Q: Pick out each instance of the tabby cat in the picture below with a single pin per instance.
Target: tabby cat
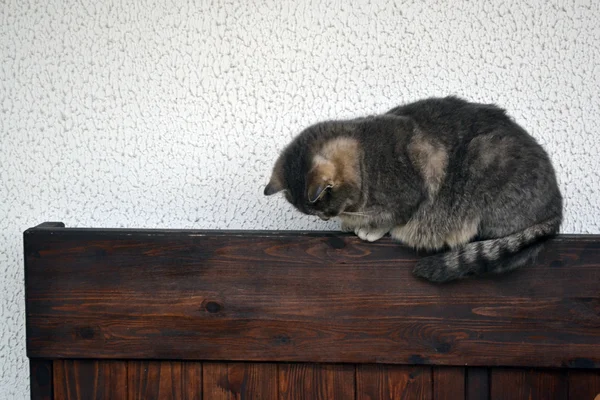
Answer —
(458, 179)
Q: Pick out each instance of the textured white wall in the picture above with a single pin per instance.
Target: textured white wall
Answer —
(141, 114)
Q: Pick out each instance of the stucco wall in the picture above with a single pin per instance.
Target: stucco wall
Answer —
(139, 114)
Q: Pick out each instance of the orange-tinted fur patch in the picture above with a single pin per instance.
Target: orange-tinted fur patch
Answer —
(337, 161)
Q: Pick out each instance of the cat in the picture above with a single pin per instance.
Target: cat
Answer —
(457, 179)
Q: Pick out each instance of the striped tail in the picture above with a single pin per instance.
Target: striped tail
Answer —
(488, 256)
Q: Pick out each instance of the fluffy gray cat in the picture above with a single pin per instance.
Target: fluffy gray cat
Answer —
(442, 175)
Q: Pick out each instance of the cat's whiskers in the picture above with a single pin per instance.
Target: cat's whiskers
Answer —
(356, 213)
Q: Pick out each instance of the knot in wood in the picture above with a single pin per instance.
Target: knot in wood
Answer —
(213, 307)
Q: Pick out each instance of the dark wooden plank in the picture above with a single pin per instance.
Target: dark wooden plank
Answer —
(584, 384)
(231, 381)
(390, 382)
(50, 224)
(192, 380)
(528, 384)
(40, 373)
(90, 380)
(312, 297)
(164, 380)
(316, 382)
(478, 383)
(448, 383)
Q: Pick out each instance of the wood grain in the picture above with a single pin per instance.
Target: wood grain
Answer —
(314, 297)
(316, 382)
(507, 384)
(90, 380)
(40, 373)
(164, 380)
(237, 381)
(478, 384)
(448, 383)
(584, 384)
(390, 382)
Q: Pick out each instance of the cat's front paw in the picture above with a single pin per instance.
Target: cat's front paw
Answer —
(346, 227)
(371, 234)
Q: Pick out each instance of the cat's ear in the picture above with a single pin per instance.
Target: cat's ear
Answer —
(319, 180)
(274, 186)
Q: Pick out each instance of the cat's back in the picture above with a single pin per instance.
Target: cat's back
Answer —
(450, 107)
(454, 116)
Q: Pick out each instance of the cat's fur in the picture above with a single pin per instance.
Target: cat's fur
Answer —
(437, 174)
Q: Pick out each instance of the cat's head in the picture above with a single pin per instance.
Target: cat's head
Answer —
(319, 172)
